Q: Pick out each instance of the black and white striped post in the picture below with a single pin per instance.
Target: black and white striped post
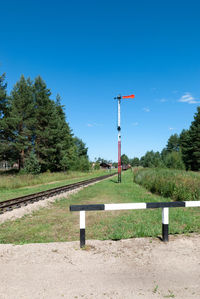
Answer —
(132, 206)
(82, 229)
(165, 224)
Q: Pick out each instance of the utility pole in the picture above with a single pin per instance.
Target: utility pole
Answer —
(119, 134)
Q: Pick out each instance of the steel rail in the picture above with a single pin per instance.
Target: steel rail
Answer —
(11, 204)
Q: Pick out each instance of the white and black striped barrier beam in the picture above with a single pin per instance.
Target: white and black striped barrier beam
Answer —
(132, 206)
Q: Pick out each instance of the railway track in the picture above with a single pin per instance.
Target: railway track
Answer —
(18, 202)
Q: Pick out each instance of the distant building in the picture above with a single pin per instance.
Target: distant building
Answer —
(104, 165)
(5, 165)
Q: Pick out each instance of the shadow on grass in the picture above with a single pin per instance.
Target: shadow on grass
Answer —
(114, 181)
(9, 172)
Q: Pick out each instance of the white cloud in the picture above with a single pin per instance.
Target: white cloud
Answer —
(171, 128)
(93, 125)
(146, 109)
(135, 124)
(188, 98)
(163, 100)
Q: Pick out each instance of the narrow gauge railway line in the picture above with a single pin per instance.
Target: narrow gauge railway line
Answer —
(18, 202)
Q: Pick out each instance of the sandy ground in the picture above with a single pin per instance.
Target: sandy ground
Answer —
(134, 268)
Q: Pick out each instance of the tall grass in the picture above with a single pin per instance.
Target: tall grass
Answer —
(180, 185)
(23, 180)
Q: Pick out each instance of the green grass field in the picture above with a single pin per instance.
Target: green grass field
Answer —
(57, 224)
(12, 186)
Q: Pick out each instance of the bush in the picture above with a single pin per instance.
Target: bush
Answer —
(177, 184)
(97, 166)
(32, 164)
(174, 160)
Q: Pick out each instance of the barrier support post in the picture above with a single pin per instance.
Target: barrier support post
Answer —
(165, 224)
(82, 229)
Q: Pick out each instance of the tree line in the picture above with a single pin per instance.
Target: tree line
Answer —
(181, 152)
(34, 133)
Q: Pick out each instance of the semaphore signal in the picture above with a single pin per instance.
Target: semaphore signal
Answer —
(119, 97)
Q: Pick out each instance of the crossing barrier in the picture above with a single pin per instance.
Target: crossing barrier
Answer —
(132, 206)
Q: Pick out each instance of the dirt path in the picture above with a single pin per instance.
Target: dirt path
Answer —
(135, 268)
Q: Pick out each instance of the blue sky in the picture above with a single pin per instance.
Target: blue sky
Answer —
(90, 51)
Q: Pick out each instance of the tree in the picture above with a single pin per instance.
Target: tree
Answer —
(3, 113)
(186, 148)
(20, 119)
(50, 129)
(33, 128)
(174, 160)
(124, 159)
(151, 159)
(64, 149)
(31, 164)
(173, 143)
(193, 149)
(3, 97)
(135, 162)
(97, 166)
(81, 148)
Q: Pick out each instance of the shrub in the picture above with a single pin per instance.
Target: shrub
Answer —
(32, 165)
(177, 184)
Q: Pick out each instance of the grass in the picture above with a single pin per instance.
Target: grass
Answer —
(180, 185)
(57, 224)
(12, 186)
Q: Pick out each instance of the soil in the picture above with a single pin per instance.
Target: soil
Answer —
(133, 268)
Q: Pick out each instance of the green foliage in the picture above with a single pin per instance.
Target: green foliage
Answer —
(124, 159)
(135, 162)
(97, 166)
(177, 184)
(173, 143)
(188, 144)
(31, 121)
(20, 120)
(193, 144)
(151, 159)
(174, 160)
(4, 146)
(83, 164)
(3, 96)
(32, 165)
(101, 160)
(186, 148)
(81, 149)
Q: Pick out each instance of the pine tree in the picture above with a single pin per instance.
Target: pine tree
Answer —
(31, 164)
(20, 119)
(173, 143)
(44, 124)
(65, 148)
(186, 148)
(194, 135)
(3, 97)
(3, 113)
(135, 162)
(33, 128)
(54, 144)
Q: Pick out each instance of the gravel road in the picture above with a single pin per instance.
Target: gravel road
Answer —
(134, 268)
